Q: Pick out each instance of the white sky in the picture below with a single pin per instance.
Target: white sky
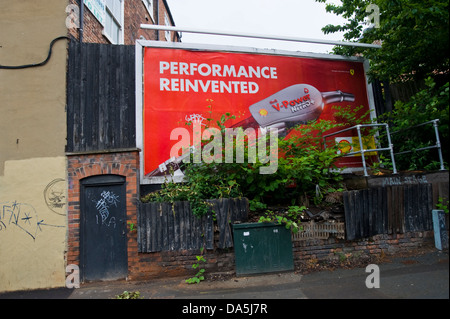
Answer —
(296, 18)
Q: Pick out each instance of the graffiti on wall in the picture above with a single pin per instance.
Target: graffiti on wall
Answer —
(23, 216)
(55, 196)
(404, 180)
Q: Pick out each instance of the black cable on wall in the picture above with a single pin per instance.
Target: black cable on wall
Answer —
(25, 66)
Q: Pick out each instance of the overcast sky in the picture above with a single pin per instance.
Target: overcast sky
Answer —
(296, 18)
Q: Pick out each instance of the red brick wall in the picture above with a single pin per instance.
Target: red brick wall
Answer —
(305, 252)
(135, 14)
(331, 249)
(179, 263)
(162, 11)
(92, 29)
(82, 166)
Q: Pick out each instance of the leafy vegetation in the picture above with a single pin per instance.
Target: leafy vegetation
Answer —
(414, 35)
(442, 204)
(291, 219)
(414, 38)
(303, 175)
(426, 105)
(129, 295)
(199, 276)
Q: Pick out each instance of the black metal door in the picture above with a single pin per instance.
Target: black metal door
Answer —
(103, 236)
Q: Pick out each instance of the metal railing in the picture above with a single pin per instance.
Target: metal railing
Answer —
(257, 36)
(362, 151)
(390, 147)
(437, 145)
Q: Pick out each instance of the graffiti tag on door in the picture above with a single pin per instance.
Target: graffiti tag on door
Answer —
(103, 205)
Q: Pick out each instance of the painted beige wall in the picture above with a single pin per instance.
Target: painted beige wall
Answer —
(32, 101)
(33, 222)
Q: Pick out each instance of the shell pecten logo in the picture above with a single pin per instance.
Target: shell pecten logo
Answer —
(344, 146)
(263, 112)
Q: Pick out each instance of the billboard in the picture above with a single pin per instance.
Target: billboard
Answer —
(263, 89)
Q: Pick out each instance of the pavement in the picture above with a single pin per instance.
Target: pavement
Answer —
(418, 276)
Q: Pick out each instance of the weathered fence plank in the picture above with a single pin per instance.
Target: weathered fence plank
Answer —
(223, 215)
(349, 222)
(388, 210)
(166, 227)
(100, 97)
(396, 209)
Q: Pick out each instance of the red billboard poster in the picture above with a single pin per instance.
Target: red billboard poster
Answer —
(261, 89)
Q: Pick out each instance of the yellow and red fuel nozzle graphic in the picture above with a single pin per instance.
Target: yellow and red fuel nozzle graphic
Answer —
(296, 104)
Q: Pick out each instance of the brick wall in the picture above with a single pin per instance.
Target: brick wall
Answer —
(92, 29)
(162, 12)
(333, 249)
(135, 14)
(82, 166)
(179, 263)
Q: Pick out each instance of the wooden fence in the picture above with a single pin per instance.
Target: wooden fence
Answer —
(166, 227)
(387, 210)
(100, 97)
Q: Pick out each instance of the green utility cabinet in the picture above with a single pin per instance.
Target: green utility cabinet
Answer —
(262, 248)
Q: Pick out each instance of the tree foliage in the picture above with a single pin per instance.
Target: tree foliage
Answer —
(428, 104)
(414, 35)
(414, 38)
